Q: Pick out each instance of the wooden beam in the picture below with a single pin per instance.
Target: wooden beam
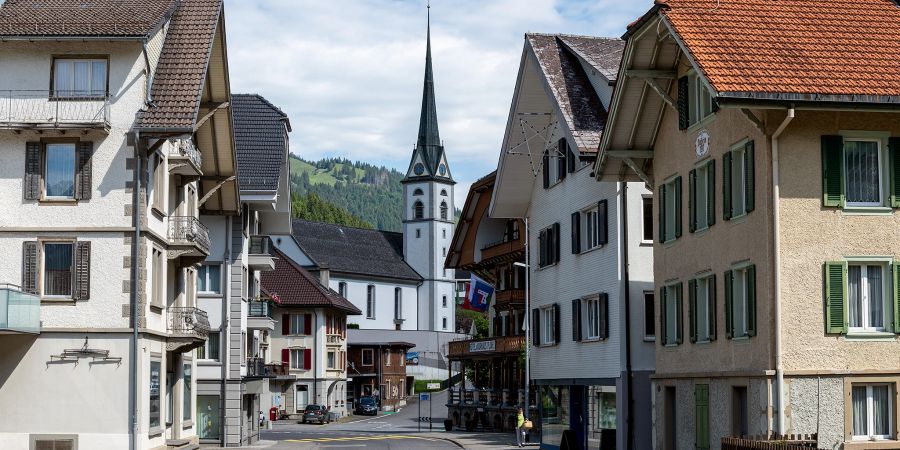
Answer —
(214, 190)
(646, 154)
(214, 108)
(661, 92)
(755, 120)
(651, 73)
(640, 172)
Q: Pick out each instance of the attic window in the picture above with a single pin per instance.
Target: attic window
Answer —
(417, 192)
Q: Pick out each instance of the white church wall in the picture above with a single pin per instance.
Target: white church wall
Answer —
(357, 293)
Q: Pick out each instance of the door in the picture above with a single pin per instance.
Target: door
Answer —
(577, 421)
(170, 403)
(302, 398)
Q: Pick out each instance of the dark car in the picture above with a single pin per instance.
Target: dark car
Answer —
(315, 413)
(367, 406)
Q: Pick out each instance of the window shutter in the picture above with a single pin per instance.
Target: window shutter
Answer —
(556, 322)
(285, 324)
(729, 320)
(535, 327)
(679, 315)
(307, 358)
(576, 320)
(662, 316)
(712, 307)
(602, 222)
(82, 288)
(83, 183)
(30, 267)
(555, 241)
(832, 171)
(32, 182)
(662, 213)
(749, 176)
(571, 159)
(307, 324)
(576, 233)
(835, 297)
(726, 186)
(692, 201)
(711, 193)
(545, 169)
(894, 149)
(896, 297)
(604, 316)
(677, 207)
(692, 309)
(751, 301)
(561, 159)
(286, 356)
(683, 110)
(701, 410)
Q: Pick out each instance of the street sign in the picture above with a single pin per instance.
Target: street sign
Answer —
(432, 386)
(424, 397)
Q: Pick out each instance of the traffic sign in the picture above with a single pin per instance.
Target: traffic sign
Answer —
(424, 396)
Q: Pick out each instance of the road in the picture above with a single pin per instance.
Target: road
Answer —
(397, 431)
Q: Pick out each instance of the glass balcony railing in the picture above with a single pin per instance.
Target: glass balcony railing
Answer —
(20, 312)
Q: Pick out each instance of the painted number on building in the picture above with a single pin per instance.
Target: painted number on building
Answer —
(482, 346)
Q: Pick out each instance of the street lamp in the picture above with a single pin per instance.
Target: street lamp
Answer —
(527, 268)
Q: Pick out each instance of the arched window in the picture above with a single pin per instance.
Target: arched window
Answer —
(418, 210)
(443, 210)
(443, 192)
(417, 192)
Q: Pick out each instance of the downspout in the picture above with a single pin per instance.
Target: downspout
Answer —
(316, 355)
(629, 418)
(135, 267)
(776, 228)
(149, 78)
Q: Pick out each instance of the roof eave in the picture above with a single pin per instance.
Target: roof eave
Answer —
(781, 100)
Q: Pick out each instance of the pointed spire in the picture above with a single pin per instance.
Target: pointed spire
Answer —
(428, 126)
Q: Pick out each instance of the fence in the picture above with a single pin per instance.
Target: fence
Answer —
(772, 442)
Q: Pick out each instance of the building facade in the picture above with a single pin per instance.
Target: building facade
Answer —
(378, 370)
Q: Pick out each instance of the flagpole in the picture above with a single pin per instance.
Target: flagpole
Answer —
(527, 266)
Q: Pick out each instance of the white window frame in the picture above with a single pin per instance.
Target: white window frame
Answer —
(45, 170)
(881, 171)
(697, 94)
(297, 325)
(204, 272)
(398, 303)
(886, 295)
(387, 358)
(548, 326)
(297, 358)
(740, 302)
(703, 286)
(43, 271)
(331, 360)
(370, 302)
(701, 199)
(590, 222)
(444, 323)
(738, 180)
(342, 289)
(69, 91)
(590, 320)
(644, 212)
(870, 419)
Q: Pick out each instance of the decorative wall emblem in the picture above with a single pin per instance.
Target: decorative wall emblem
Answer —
(702, 144)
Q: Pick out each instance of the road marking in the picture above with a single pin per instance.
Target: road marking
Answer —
(342, 446)
(362, 438)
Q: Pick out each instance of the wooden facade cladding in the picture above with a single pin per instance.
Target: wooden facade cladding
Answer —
(503, 345)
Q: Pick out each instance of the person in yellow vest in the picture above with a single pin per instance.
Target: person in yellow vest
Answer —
(520, 427)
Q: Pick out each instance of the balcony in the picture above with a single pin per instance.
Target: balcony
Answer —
(184, 159)
(334, 339)
(257, 368)
(188, 328)
(260, 316)
(502, 251)
(509, 297)
(189, 239)
(260, 256)
(486, 347)
(45, 109)
(20, 312)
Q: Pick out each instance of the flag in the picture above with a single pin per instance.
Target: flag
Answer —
(479, 295)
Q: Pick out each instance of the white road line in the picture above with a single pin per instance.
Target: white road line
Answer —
(342, 446)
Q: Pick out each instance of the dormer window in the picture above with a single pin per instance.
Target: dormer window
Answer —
(418, 210)
(80, 77)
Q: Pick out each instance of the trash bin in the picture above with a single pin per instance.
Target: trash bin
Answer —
(333, 416)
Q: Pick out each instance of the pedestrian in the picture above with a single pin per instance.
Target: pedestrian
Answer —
(262, 419)
(520, 428)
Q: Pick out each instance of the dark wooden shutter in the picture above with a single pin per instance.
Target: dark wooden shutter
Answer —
(536, 327)
(604, 315)
(545, 169)
(555, 241)
(712, 307)
(307, 324)
(602, 222)
(662, 316)
(556, 322)
(286, 356)
(285, 324)
(749, 176)
(32, 182)
(576, 320)
(751, 300)
(894, 149)
(677, 194)
(561, 158)
(683, 104)
(729, 319)
(82, 287)
(711, 193)
(662, 213)
(726, 186)
(692, 309)
(307, 358)
(832, 171)
(835, 297)
(30, 267)
(83, 177)
(576, 233)
(679, 315)
(541, 250)
(692, 200)
(572, 159)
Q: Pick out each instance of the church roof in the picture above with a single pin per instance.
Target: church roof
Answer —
(291, 285)
(354, 251)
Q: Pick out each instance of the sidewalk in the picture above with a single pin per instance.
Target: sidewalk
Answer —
(479, 441)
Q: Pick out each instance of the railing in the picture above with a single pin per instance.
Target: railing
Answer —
(19, 311)
(277, 369)
(334, 338)
(501, 398)
(510, 295)
(185, 148)
(45, 108)
(260, 245)
(772, 442)
(257, 367)
(188, 230)
(188, 320)
(489, 346)
(501, 248)
(260, 309)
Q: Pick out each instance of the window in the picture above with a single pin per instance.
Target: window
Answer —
(79, 78)
(387, 357)
(857, 172)
(370, 302)
(593, 222)
(210, 349)
(402, 357)
(418, 233)
(367, 355)
(418, 210)
(738, 181)
(647, 208)
(331, 360)
(548, 243)
(702, 207)
(548, 325)
(417, 192)
(866, 299)
(59, 171)
(298, 324)
(702, 305)
(591, 320)
(554, 163)
(245, 282)
(154, 407)
(342, 289)
(694, 101)
(158, 187)
(244, 347)
(862, 167)
(872, 411)
(444, 251)
(444, 301)
(209, 417)
(444, 233)
(740, 302)
(444, 210)
(444, 323)
(186, 392)
(58, 268)
(297, 355)
(670, 314)
(670, 210)
(398, 304)
(209, 279)
(649, 316)
(443, 192)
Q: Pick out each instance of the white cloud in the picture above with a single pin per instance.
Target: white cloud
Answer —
(349, 73)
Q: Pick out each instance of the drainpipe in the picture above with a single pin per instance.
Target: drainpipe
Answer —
(779, 370)
(135, 267)
(629, 418)
(316, 355)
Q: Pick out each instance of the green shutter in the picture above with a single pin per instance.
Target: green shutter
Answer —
(729, 319)
(662, 316)
(751, 301)
(712, 307)
(701, 411)
(677, 194)
(835, 297)
(897, 298)
(692, 200)
(711, 193)
(683, 108)
(726, 186)
(894, 148)
(679, 316)
(692, 309)
(662, 213)
(749, 177)
(832, 171)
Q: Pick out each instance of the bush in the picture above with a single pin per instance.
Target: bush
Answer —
(421, 385)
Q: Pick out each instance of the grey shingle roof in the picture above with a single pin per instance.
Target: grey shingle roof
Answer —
(259, 135)
(357, 251)
(291, 285)
(79, 18)
(604, 54)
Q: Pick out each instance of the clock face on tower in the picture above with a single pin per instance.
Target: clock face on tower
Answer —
(442, 170)
(419, 169)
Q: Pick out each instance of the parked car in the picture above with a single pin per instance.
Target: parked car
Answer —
(366, 406)
(316, 413)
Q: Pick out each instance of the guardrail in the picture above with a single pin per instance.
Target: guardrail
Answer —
(20, 311)
(260, 245)
(188, 320)
(257, 367)
(334, 339)
(188, 230)
(59, 109)
(260, 309)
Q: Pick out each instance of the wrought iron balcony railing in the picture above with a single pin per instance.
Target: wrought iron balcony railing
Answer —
(188, 320)
(53, 109)
(257, 368)
(185, 149)
(188, 230)
(20, 312)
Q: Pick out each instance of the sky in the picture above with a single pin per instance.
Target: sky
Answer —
(349, 72)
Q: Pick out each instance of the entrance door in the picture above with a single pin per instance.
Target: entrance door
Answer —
(302, 398)
(170, 404)
(577, 420)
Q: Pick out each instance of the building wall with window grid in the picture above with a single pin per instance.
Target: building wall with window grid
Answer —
(357, 293)
(580, 275)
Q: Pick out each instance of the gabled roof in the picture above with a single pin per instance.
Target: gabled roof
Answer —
(83, 19)
(603, 54)
(260, 138)
(291, 285)
(835, 50)
(354, 251)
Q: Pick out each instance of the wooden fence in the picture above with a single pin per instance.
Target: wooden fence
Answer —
(772, 442)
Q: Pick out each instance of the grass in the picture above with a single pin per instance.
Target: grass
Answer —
(321, 176)
(420, 386)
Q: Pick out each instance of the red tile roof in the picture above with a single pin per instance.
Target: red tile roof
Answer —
(80, 18)
(801, 49)
(293, 285)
